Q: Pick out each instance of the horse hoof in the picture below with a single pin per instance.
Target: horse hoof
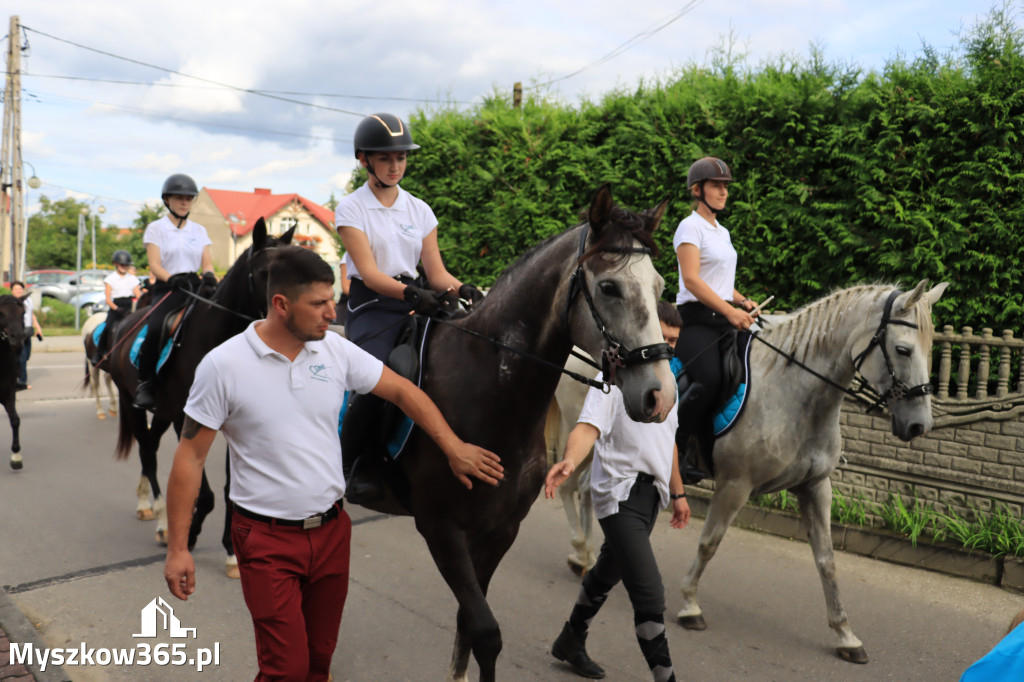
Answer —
(113, 413)
(16, 463)
(693, 622)
(101, 415)
(853, 655)
(161, 537)
(578, 570)
(231, 568)
(144, 514)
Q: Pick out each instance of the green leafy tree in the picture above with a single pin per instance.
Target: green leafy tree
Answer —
(53, 233)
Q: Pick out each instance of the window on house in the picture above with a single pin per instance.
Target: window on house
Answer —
(288, 223)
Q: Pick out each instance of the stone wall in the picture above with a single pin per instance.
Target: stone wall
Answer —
(956, 467)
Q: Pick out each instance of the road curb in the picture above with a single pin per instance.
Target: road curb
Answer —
(19, 630)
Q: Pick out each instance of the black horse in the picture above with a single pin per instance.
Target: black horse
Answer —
(498, 399)
(12, 339)
(239, 298)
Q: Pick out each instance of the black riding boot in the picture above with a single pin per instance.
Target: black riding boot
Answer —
(571, 647)
(360, 443)
(145, 395)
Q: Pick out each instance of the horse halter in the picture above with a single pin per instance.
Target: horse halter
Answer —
(899, 389)
(616, 355)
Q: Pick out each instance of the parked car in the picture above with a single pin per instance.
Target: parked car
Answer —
(45, 276)
(63, 290)
(90, 302)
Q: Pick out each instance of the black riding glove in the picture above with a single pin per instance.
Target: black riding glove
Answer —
(179, 280)
(423, 301)
(468, 292)
(209, 279)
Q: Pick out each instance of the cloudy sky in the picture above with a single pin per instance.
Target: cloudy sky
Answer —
(116, 96)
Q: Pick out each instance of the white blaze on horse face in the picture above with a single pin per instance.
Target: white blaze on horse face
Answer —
(625, 293)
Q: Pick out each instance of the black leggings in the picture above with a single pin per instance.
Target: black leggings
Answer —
(626, 554)
(699, 349)
(114, 315)
(149, 351)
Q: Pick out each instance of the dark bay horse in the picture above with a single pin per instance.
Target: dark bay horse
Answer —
(498, 399)
(239, 298)
(12, 338)
(789, 438)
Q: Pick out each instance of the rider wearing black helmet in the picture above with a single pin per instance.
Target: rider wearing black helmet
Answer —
(177, 248)
(121, 288)
(387, 233)
(708, 300)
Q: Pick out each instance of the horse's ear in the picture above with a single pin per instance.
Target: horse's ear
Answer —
(259, 234)
(600, 208)
(909, 300)
(654, 216)
(286, 238)
(935, 293)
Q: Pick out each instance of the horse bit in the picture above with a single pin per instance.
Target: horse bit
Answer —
(615, 356)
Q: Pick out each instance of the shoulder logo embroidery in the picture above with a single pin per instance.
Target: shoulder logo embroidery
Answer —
(319, 372)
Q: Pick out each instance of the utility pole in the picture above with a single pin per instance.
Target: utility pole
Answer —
(12, 206)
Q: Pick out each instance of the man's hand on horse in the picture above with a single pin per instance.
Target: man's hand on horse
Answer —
(471, 460)
(558, 475)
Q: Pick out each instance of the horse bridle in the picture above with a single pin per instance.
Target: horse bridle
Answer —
(615, 356)
(899, 390)
(865, 393)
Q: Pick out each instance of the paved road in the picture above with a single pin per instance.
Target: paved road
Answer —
(80, 567)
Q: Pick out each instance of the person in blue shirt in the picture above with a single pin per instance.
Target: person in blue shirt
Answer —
(1006, 660)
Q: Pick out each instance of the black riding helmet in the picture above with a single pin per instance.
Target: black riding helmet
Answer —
(382, 133)
(121, 257)
(179, 184)
(702, 170)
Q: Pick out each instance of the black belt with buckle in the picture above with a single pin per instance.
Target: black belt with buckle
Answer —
(314, 521)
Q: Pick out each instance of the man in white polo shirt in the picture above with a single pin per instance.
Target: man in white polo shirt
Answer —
(276, 391)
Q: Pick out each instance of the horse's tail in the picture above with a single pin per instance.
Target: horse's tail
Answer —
(125, 436)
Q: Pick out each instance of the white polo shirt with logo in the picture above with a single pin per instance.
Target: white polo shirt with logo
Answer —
(717, 256)
(395, 232)
(181, 249)
(280, 418)
(625, 448)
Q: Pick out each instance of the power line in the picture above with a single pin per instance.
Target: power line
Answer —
(198, 78)
(272, 92)
(638, 38)
(181, 119)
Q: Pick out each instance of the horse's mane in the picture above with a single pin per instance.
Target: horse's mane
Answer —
(809, 329)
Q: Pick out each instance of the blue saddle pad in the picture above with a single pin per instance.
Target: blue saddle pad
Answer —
(730, 412)
(98, 332)
(133, 354)
(400, 436)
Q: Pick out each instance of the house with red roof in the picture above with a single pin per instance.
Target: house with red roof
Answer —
(230, 216)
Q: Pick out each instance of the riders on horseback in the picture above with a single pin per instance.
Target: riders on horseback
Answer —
(387, 232)
(122, 287)
(177, 248)
(707, 297)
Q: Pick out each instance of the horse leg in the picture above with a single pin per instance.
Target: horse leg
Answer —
(110, 392)
(231, 563)
(727, 501)
(816, 515)
(15, 420)
(204, 505)
(144, 508)
(94, 388)
(149, 443)
(577, 559)
(477, 629)
(587, 516)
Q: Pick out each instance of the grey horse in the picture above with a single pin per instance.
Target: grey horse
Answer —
(788, 438)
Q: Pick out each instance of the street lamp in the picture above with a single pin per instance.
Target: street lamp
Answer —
(99, 210)
(14, 231)
(34, 183)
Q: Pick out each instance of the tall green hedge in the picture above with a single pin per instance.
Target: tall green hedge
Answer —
(842, 176)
